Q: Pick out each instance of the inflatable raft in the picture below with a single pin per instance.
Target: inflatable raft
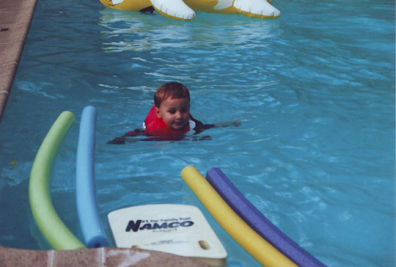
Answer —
(185, 9)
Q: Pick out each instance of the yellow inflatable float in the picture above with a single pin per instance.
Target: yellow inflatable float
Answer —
(184, 9)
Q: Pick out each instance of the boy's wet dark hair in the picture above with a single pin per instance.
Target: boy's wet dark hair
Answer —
(174, 90)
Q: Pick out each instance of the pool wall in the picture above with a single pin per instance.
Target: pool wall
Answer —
(15, 19)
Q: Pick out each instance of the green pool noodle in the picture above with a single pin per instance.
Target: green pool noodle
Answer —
(51, 226)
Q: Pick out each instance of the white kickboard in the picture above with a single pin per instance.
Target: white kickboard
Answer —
(177, 229)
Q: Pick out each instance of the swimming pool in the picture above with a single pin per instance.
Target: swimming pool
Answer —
(314, 91)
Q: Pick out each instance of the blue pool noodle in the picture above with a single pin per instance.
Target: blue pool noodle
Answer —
(90, 223)
(258, 222)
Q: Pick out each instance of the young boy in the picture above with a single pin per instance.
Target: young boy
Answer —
(170, 118)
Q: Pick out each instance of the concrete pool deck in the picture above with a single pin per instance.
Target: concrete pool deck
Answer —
(15, 19)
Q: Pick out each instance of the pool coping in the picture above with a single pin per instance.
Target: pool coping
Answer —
(15, 20)
(100, 257)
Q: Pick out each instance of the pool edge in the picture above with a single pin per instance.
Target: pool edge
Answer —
(15, 19)
(106, 257)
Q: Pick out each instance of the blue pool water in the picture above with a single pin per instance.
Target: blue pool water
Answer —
(314, 90)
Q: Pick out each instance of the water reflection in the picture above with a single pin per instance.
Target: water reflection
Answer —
(129, 30)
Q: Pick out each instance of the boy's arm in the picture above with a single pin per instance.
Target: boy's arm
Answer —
(117, 141)
(227, 124)
(200, 127)
(122, 139)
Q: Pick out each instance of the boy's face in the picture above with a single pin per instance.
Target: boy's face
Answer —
(175, 112)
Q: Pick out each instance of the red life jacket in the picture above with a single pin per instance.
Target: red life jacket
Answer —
(156, 126)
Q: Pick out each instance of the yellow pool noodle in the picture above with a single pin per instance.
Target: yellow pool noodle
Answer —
(245, 236)
(47, 219)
